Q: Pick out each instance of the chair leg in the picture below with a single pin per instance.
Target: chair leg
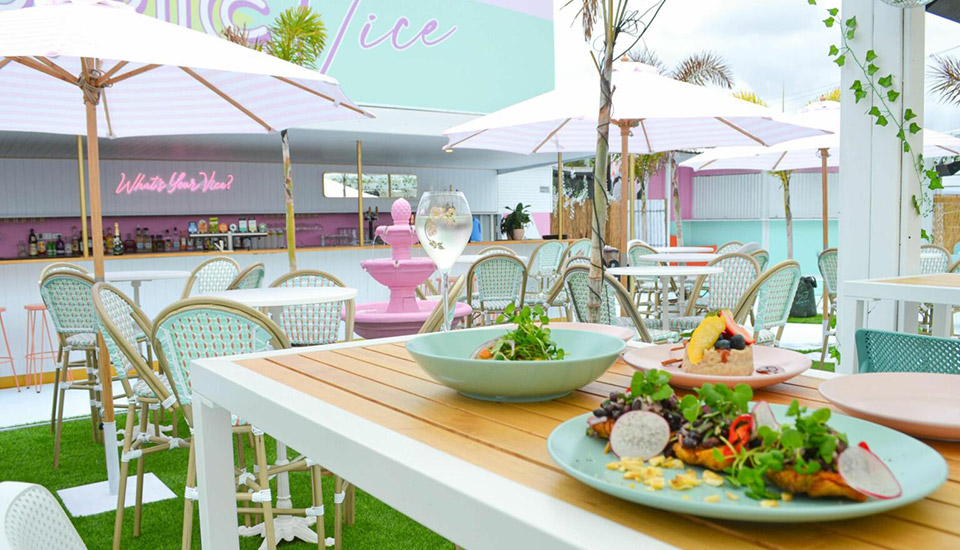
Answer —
(175, 420)
(263, 474)
(188, 502)
(349, 509)
(58, 431)
(316, 482)
(122, 489)
(64, 358)
(242, 466)
(338, 488)
(138, 509)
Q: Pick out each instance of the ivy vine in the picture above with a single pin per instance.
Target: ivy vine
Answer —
(884, 92)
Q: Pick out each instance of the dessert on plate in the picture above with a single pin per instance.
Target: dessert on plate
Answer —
(719, 346)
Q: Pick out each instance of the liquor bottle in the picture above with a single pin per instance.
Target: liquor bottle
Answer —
(41, 247)
(147, 240)
(117, 240)
(139, 240)
(183, 240)
(32, 239)
(129, 244)
(75, 241)
(61, 246)
(90, 245)
(168, 244)
(176, 239)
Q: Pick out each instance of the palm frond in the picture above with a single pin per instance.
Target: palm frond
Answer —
(298, 36)
(946, 78)
(647, 57)
(752, 97)
(704, 68)
(589, 13)
(241, 36)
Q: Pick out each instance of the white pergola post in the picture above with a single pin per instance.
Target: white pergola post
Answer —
(879, 230)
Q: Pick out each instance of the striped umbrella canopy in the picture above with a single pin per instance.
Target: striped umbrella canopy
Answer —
(100, 69)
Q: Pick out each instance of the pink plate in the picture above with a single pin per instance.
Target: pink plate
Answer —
(790, 364)
(624, 333)
(920, 404)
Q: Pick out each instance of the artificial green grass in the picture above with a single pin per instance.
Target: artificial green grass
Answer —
(28, 456)
(815, 320)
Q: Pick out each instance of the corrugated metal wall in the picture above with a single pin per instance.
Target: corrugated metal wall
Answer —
(760, 196)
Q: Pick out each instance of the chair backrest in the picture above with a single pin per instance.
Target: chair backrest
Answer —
(773, 294)
(762, 257)
(729, 247)
(497, 250)
(62, 266)
(213, 275)
(934, 259)
(31, 519)
(432, 324)
(121, 323)
(954, 267)
(251, 277)
(314, 324)
(614, 297)
(68, 298)
(882, 351)
(726, 288)
(827, 263)
(748, 248)
(201, 328)
(498, 277)
(637, 251)
(579, 247)
(545, 259)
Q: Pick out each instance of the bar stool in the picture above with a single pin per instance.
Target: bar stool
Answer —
(9, 357)
(34, 359)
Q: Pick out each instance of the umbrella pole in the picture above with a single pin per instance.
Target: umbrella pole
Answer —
(624, 169)
(360, 189)
(559, 195)
(83, 198)
(826, 225)
(106, 374)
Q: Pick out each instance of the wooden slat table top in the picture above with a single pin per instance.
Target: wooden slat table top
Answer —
(938, 279)
(381, 383)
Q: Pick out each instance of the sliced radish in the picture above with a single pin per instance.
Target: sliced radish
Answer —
(594, 420)
(639, 434)
(763, 416)
(866, 473)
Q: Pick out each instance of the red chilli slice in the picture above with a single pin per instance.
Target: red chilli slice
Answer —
(639, 434)
(866, 473)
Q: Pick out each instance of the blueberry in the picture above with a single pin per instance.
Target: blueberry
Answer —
(737, 342)
(722, 344)
(599, 413)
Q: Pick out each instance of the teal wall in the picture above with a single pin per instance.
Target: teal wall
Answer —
(807, 238)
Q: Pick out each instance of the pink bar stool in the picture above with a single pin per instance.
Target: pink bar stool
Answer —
(8, 358)
(37, 313)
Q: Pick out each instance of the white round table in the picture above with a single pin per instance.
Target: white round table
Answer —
(472, 258)
(273, 299)
(682, 249)
(680, 258)
(665, 272)
(136, 278)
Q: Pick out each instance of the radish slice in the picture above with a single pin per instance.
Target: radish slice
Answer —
(763, 416)
(639, 434)
(866, 473)
(594, 420)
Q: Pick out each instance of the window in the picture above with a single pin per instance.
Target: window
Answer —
(344, 185)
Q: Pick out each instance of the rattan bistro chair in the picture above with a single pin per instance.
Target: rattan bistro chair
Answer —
(544, 268)
(645, 290)
(726, 288)
(576, 280)
(58, 373)
(251, 277)
(827, 263)
(762, 257)
(579, 247)
(498, 280)
(213, 275)
(497, 250)
(882, 351)
(314, 324)
(432, 324)
(199, 328)
(62, 266)
(771, 296)
(937, 259)
(728, 247)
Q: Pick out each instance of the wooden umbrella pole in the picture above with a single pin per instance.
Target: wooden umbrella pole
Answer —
(360, 190)
(83, 198)
(624, 175)
(633, 201)
(560, 196)
(93, 165)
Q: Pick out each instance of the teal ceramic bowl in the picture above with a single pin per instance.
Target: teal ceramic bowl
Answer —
(446, 357)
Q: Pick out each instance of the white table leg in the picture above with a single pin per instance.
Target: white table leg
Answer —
(848, 361)
(909, 317)
(665, 302)
(682, 301)
(942, 319)
(215, 481)
(136, 292)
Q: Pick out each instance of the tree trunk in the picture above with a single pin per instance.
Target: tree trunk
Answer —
(788, 214)
(288, 199)
(643, 212)
(675, 191)
(600, 174)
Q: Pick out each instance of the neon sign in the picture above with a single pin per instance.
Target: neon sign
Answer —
(176, 183)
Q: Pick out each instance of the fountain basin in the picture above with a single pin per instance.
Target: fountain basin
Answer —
(402, 278)
(372, 320)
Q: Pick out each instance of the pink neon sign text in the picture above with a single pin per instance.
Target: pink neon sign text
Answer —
(176, 183)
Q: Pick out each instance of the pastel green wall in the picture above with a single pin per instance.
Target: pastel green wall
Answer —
(807, 238)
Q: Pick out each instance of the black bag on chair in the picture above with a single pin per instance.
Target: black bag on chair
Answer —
(805, 302)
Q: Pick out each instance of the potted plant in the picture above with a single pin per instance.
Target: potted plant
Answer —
(512, 224)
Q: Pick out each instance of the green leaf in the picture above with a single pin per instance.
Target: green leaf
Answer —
(906, 147)
(794, 408)
(791, 438)
(690, 407)
(901, 135)
(914, 127)
(857, 85)
(886, 81)
(829, 21)
(875, 111)
(833, 11)
(851, 33)
(852, 22)
(935, 184)
(916, 203)
(858, 95)
(812, 2)
(871, 68)
(892, 95)
(833, 50)
(871, 55)
(909, 114)
(663, 393)
(821, 415)
(840, 60)
(636, 384)
(881, 120)
(924, 235)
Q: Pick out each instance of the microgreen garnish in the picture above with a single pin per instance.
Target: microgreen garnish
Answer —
(654, 384)
(529, 341)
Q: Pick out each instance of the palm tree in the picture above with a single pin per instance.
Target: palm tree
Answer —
(645, 167)
(614, 18)
(701, 69)
(946, 78)
(299, 36)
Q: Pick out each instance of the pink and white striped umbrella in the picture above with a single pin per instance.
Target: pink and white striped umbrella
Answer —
(665, 115)
(157, 78)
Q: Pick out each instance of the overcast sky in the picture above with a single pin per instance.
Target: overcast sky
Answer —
(776, 48)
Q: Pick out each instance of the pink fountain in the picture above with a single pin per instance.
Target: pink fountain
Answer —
(404, 313)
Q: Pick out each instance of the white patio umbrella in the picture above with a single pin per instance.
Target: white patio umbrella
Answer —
(97, 67)
(654, 113)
